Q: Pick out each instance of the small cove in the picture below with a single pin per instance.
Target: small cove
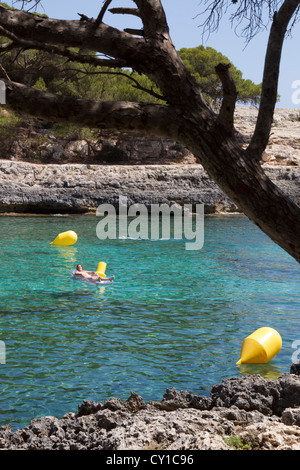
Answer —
(173, 317)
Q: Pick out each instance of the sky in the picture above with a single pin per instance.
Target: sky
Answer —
(185, 31)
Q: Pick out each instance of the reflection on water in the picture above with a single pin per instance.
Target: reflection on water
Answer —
(66, 254)
(172, 318)
(268, 371)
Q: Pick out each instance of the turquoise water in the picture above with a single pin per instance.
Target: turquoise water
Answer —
(172, 318)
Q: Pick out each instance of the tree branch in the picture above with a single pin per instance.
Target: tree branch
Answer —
(226, 115)
(253, 14)
(158, 120)
(150, 55)
(59, 50)
(153, 18)
(135, 32)
(8, 46)
(270, 79)
(75, 33)
(102, 12)
(125, 11)
(136, 84)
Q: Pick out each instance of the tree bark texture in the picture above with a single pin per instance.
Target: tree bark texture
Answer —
(186, 117)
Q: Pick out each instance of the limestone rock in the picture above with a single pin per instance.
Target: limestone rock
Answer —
(284, 142)
(79, 188)
(247, 412)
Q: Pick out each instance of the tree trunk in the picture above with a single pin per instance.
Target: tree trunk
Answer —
(245, 182)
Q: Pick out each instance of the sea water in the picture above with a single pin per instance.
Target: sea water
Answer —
(172, 318)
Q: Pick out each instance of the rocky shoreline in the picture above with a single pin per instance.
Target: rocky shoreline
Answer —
(44, 173)
(244, 413)
(80, 188)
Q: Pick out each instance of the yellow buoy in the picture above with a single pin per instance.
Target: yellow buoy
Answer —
(260, 346)
(65, 238)
(101, 269)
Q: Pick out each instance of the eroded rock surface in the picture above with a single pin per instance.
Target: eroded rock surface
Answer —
(79, 188)
(248, 412)
(46, 174)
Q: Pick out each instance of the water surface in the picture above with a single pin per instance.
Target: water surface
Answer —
(173, 318)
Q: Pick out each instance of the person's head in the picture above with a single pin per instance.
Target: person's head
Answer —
(79, 267)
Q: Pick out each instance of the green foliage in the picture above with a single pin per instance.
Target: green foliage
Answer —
(65, 131)
(8, 125)
(99, 83)
(4, 5)
(40, 84)
(57, 74)
(237, 442)
(201, 62)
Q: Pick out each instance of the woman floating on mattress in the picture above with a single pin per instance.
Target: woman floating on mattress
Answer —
(90, 274)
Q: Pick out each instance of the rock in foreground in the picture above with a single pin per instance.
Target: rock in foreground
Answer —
(245, 413)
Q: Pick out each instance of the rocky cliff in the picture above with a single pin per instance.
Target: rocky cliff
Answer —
(74, 176)
(79, 188)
